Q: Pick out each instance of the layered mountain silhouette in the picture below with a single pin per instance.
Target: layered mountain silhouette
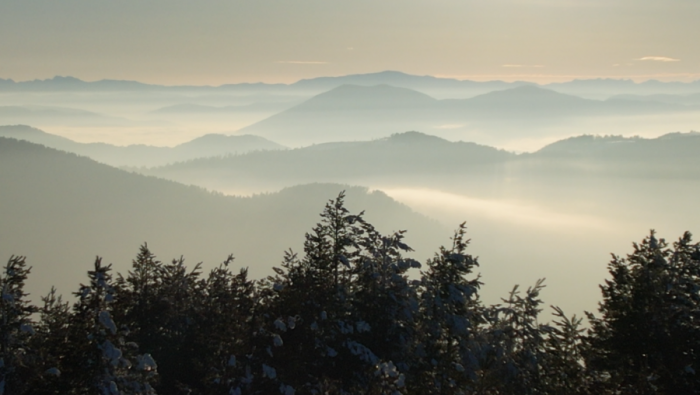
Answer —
(189, 108)
(56, 115)
(61, 210)
(352, 112)
(438, 87)
(409, 155)
(349, 112)
(517, 115)
(421, 160)
(144, 155)
(691, 99)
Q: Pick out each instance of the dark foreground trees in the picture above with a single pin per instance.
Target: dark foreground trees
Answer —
(648, 338)
(348, 317)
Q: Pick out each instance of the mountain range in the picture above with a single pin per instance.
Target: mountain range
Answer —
(353, 112)
(251, 163)
(421, 160)
(438, 87)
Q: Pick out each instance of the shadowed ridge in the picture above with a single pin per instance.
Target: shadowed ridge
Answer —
(415, 138)
(672, 146)
(525, 92)
(37, 136)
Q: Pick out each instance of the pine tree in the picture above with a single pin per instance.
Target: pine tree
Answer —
(514, 345)
(385, 304)
(181, 295)
(51, 342)
(100, 360)
(450, 320)
(226, 328)
(563, 368)
(308, 309)
(16, 327)
(138, 303)
(163, 306)
(321, 310)
(648, 338)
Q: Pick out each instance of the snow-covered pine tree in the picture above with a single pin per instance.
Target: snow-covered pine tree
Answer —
(181, 295)
(17, 359)
(385, 307)
(99, 359)
(51, 343)
(451, 315)
(225, 330)
(311, 337)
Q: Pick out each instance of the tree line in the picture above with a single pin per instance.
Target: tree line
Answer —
(347, 318)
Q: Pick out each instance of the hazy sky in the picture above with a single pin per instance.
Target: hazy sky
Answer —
(227, 41)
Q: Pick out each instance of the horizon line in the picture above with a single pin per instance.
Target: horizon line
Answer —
(508, 78)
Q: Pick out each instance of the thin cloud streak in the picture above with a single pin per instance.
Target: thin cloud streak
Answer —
(300, 62)
(537, 66)
(659, 59)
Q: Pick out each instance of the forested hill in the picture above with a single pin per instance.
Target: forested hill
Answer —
(674, 155)
(411, 153)
(668, 146)
(61, 210)
(144, 155)
(415, 158)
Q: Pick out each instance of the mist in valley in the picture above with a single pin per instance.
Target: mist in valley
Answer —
(539, 201)
(312, 197)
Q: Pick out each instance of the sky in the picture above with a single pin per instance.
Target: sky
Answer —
(213, 42)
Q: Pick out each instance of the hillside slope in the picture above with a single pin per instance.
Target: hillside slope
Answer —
(61, 210)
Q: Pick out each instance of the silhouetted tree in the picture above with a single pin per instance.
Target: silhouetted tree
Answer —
(647, 340)
(225, 331)
(17, 359)
(451, 316)
(99, 360)
(52, 345)
(346, 317)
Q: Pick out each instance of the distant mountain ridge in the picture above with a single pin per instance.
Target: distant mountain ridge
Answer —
(56, 115)
(143, 155)
(398, 157)
(354, 112)
(422, 159)
(373, 98)
(395, 78)
(688, 99)
(190, 108)
(669, 146)
(68, 83)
